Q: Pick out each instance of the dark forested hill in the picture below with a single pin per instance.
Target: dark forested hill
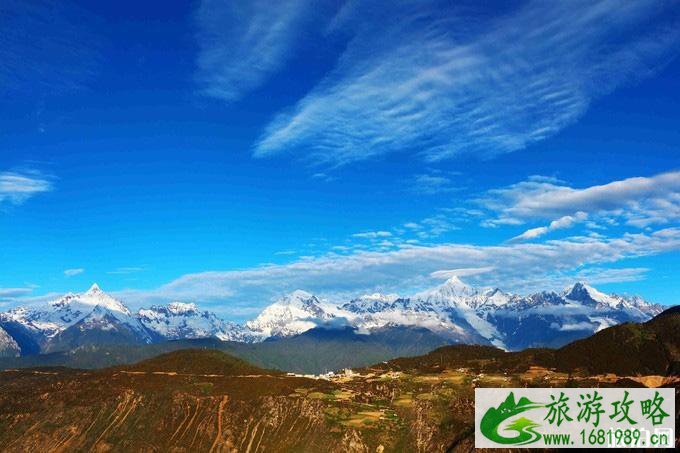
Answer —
(649, 348)
(315, 351)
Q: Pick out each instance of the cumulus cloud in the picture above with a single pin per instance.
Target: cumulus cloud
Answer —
(73, 272)
(440, 80)
(16, 188)
(519, 266)
(640, 201)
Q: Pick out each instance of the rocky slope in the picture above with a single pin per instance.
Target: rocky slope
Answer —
(161, 405)
(8, 347)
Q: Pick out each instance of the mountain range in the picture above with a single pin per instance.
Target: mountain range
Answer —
(460, 313)
(453, 312)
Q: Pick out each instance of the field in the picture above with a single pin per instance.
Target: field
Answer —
(232, 406)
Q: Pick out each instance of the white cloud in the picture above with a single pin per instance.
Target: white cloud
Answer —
(16, 188)
(640, 201)
(521, 267)
(10, 293)
(372, 235)
(463, 272)
(323, 177)
(242, 43)
(531, 234)
(431, 184)
(599, 275)
(122, 270)
(431, 78)
(572, 326)
(73, 272)
(562, 223)
(436, 225)
(285, 252)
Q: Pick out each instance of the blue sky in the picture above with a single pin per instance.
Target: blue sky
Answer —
(226, 152)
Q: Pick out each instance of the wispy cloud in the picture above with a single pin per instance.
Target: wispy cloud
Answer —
(436, 225)
(126, 270)
(46, 47)
(285, 253)
(639, 201)
(10, 296)
(9, 293)
(462, 272)
(440, 81)
(242, 43)
(522, 267)
(562, 223)
(17, 187)
(323, 177)
(372, 235)
(432, 183)
(73, 272)
(615, 275)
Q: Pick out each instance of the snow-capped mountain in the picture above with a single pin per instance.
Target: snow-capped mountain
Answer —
(294, 313)
(60, 314)
(553, 319)
(461, 313)
(455, 311)
(371, 303)
(179, 320)
(94, 317)
(100, 326)
(453, 293)
(446, 309)
(74, 320)
(587, 295)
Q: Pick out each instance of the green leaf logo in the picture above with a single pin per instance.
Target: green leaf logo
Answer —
(524, 427)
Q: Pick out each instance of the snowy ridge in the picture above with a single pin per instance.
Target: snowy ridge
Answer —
(56, 316)
(94, 316)
(452, 293)
(179, 320)
(453, 310)
(294, 313)
(461, 313)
